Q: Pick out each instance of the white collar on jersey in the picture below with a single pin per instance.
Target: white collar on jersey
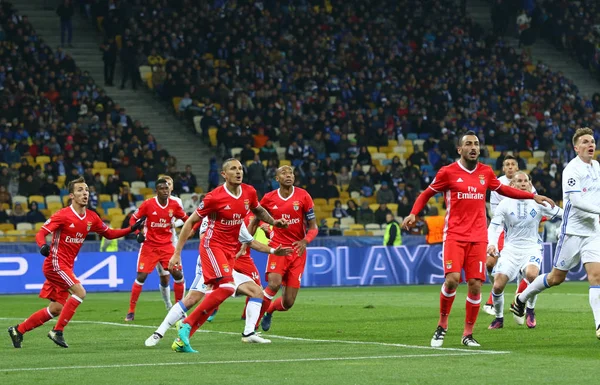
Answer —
(78, 216)
(466, 169)
(161, 206)
(285, 199)
(230, 193)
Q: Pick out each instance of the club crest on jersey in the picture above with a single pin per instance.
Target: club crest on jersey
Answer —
(273, 265)
(482, 179)
(171, 213)
(226, 268)
(296, 205)
(448, 265)
(89, 226)
(247, 204)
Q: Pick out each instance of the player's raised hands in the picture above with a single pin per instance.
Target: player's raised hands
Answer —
(542, 200)
(281, 223)
(175, 262)
(282, 251)
(138, 224)
(408, 221)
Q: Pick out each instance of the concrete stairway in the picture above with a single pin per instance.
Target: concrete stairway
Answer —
(169, 132)
(543, 51)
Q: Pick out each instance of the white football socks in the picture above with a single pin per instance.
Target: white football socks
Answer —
(252, 314)
(165, 291)
(595, 303)
(498, 304)
(173, 316)
(537, 286)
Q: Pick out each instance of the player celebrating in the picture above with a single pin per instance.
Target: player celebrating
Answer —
(69, 227)
(296, 206)
(247, 281)
(155, 238)
(509, 166)
(522, 251)
(579, 235)
(226, 206)
(464, 184)
(178, 284)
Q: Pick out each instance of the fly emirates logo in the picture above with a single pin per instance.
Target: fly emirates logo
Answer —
(236, 221)
(470, 194)
(78, 238)
(162, 223)
(289, 219)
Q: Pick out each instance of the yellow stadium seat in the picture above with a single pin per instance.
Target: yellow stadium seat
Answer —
(320, 201)
(119, 41)
(6, 227)
(65, 200)
(175, 102)
(37, 198)
(100, 165)
(198, 190)
(54, 206)
(104, 198)
(285, 162)
(392, 143)
(393, 207)
(107, 171)
(42, 159)
(212, 135)
(37, 226)
(372, 149)
(357, 227)
(330, 221)
(7, 239)
(60, 182)
(114, 211)
(386, 150)
(146, 191)
(525, 154)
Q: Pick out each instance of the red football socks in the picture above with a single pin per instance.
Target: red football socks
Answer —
(446, 301)
(35, 320)
(136, 290)
(268, 295)
(277, 305)
(208, 304)
(472, 304)
(522, 286)
(67, 312)
(490, 300)
(179, 289)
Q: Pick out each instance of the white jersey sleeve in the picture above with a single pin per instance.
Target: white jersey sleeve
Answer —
(496, 225)
(495, 197)
(245, 236)
(203, 225)
(581, 194)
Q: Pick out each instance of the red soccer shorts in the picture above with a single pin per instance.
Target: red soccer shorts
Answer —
(501, 242)
(467, 256)
(150, 256)
(56, 287)
(217, 265)
(245, 265)
(290, 268)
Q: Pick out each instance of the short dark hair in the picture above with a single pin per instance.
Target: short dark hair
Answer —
(227, 161)
(470, 132)
(159, 181)
(508, 157)
(72, 184)
(581, 132)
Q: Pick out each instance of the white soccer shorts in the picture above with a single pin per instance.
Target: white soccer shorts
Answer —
(198, 283)
(571, 249)
(512, 262)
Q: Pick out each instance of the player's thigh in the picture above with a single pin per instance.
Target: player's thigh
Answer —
(276, 268)
(161, 271)
(568, 252)
(217, 266)
(532, 264)
(245, 265)
(474, 263)
(590, 258)
(509, 264)
(293, 275)
(147, 260)
(454, 256)
(57, 285)
(78, 290)
(245, 285)
(198, 283)
(163, 255)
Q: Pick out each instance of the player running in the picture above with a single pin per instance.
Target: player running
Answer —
(155, 238)
(226, 206)
(247, 280)
(509, 166)
(69, 227)
(464, 184)
(522, 251)
(296, 206)
(579, 238)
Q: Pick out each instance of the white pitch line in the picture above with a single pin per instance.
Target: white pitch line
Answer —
(299, 339)
(114, 366)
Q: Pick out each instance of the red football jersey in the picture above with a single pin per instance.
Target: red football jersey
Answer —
(297, 209)
(69, 230)
(157, 227)
(226, 214)
(464, 192)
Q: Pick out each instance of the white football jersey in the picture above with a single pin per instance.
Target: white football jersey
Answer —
(244, 237)
(174, 237)
(583, 178)
(496, 198)
(520, 219)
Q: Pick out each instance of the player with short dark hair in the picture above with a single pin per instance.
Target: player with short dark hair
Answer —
(155, 238)
(464, 185)
(69, 228)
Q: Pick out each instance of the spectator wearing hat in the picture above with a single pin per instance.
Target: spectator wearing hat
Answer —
(18, 214)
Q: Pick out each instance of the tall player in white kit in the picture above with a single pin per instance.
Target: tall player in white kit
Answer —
(522, 252)
(510, 167)
(579, 238)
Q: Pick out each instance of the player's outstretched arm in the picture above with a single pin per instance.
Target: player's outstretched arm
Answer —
(264, 216)
(311, 234)
(40, 239)
(494, 230)
(186, 232)
(419, 205)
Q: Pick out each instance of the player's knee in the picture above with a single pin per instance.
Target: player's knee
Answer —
(55, 308)
(530, 276)
(288, 302)
(141, 277)
(177, 275)
(256, 292)
(497, 288)
(452, 282)
(474, 286)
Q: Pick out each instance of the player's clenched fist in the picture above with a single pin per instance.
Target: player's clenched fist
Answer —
(45, 250)
(175, 262)
(281, 224)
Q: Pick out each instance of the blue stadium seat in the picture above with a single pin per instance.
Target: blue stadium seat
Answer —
(108, 205)
(151, 184)
(334, 156)
(412, 136)
(429, 168)
(424, 136)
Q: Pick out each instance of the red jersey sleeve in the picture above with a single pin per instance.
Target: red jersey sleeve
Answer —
(494, 183)
(253, 197)
(309, 208)
(180, 214)
(140, 212)
(98, 225)
(206, 206)
(440, 182)
(53, 223)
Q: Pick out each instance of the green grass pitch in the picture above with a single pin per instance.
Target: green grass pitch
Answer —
(376, 335)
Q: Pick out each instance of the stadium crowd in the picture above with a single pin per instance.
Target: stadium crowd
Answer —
(365, 101)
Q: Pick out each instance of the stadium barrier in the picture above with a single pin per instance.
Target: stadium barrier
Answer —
(336, 265)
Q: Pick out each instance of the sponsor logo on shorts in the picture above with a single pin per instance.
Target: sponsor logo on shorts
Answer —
(449, 264)
(226, 268)
(141, 265)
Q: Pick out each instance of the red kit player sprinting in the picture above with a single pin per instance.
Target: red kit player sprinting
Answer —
(226, 207)
(464, 185)
(295, 206)
(69, 227)
(155, 238)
